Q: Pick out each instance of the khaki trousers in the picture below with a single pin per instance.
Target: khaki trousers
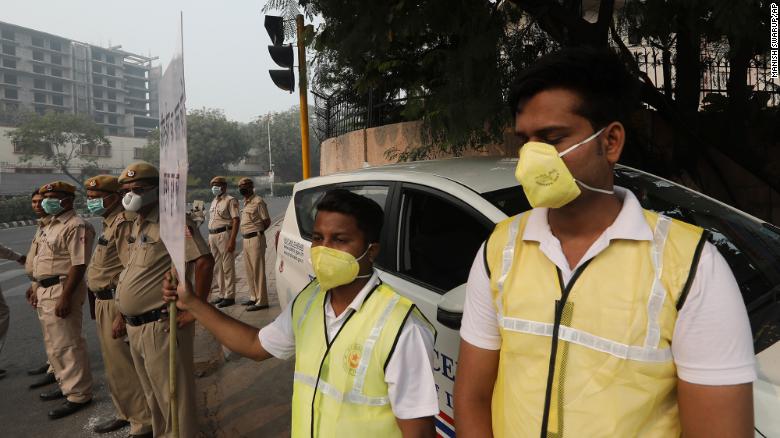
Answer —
(66, 347)
(254, 263)
(5, 320)
(126, 391)
(224, 264)
(149, 348)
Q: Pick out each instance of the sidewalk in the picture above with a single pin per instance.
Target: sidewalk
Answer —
(238, 397)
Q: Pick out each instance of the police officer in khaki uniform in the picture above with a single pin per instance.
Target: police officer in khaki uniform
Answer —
(254, 222)
(139, 299)
(223, 228)
(5, 314)
(43, 220)
(59, 266)
(108, 260)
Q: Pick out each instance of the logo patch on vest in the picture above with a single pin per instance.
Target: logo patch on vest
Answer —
(352, 358)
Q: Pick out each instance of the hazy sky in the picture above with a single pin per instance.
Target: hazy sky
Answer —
(225, 44)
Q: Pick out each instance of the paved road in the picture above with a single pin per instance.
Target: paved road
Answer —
(22, 414)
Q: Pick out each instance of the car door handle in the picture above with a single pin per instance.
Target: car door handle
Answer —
(449, 319)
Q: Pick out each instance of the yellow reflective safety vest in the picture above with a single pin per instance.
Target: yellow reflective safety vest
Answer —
(591, 359)
(351, 398)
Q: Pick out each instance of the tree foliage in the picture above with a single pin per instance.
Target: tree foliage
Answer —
(285, 144)
(60, 138)
(213, 144)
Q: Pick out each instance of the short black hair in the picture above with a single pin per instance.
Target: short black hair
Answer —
(607, 90)
(35, 192)
(367, 213)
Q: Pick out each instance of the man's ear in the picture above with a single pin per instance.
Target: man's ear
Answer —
(373, 252)
(613, 141)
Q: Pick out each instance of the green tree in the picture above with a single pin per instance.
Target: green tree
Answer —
(60, 138)
(213, 144)
(285, 144)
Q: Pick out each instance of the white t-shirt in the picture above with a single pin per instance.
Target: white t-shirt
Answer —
(712, 342)
(409, 373)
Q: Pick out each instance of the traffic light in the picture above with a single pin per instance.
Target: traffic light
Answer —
(281, 54)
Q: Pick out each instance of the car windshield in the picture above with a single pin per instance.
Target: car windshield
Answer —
(751, 247)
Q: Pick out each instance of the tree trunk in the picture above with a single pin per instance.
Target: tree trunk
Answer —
(688, 84)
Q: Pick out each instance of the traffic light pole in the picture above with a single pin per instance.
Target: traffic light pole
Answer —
(303, 89)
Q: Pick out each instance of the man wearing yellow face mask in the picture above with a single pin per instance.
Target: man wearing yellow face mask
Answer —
(363, 353)
(589, 316)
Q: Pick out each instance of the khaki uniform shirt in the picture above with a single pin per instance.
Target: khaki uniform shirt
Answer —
(110, 253)
(224, 209)
(28, 264)
(66, 242)
(140, 284)
(253, 214)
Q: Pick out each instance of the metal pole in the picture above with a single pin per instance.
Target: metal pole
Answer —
(303, 89)
(270, 163)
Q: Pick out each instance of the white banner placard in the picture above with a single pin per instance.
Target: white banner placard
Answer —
(173, 159)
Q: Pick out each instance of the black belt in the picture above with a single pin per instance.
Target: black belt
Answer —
(144, 318)
(105, 294)
(218, 230)
(48, 282)
(252, 234)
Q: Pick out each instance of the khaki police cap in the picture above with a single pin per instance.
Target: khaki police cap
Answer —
(57, 187)
(102, 183)
(218, 180)
(138, 170)
(246, 180)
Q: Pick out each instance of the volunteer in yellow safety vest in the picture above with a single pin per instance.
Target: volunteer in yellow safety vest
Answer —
(589, 316)
(367, 350)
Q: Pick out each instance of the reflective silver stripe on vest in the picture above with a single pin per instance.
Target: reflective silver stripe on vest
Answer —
(330, 391)
(308, 305)
(368, 346)
(507, 256)
(588, 340)
(658, 293)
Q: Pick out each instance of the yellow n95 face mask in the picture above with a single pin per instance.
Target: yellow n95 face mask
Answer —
(544, 176)
(335, 268)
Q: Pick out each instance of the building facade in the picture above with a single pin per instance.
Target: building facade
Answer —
(43, 72)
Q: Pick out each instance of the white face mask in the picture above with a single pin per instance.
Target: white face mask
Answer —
(216, 190)
(133, 202)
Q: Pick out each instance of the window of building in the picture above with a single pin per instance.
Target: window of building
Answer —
(110, 59)
(41, 70)
(112, 107)
(9, 49)
(55, 45)
(11, 93)
(111, 83)
(96, 56)
(40, 98)
(98, 118)
(39, 84)
(9, 79)
(56, 59)
(97, 92)
(113, 131)
(97, 68)
(138, 153)
(97, 79)
(8, 34)
(11, 106)
(111, 95)
(37, 55)
(57, 100)
(56, 72)
(41, 110)
(111, 71)
(112, 119)
(57, 86)
(99, 106)
(9, 63)
(37, 41)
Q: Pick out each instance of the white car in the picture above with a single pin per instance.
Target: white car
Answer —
(438, 213)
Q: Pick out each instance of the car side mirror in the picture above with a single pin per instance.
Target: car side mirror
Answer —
(450, 309)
